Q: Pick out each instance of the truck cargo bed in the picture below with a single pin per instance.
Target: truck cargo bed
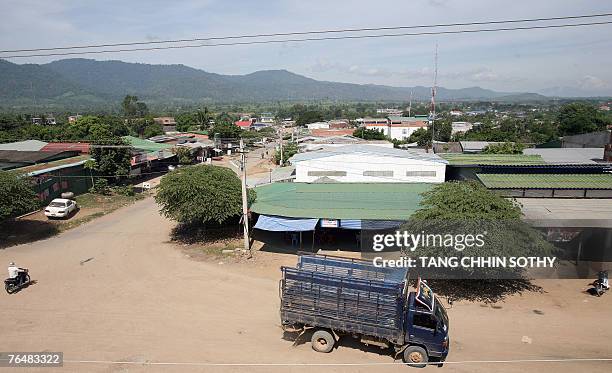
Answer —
(346, 295)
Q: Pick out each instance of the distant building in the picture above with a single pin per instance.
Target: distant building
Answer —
(587, 140)
(165, 121)
(74, 118)
(368, 164)
(318, 125)
(244, 123)
(456, 113)
(44, 120)
(461, 127)
(398, 127)
(392, 111)
(339, 123)
(267, 118)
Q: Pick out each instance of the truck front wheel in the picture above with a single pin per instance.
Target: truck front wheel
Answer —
(415, 356)
(322, 341)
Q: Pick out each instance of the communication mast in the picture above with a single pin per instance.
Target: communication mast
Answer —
(432, 112)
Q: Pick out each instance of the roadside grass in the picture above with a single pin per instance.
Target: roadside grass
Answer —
(35, 227)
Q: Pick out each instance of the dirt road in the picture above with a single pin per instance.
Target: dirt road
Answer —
(115, 289)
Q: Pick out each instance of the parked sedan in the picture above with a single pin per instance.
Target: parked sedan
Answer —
(60, 208)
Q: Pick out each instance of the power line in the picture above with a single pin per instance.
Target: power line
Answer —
(276, 41)
(248, 36)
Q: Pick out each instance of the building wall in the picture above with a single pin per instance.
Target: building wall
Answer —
(355, 168)
(395, 132)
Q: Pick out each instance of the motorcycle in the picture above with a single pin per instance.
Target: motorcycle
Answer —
(11, 285)
(601, 284)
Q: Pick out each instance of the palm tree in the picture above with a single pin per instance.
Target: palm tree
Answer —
(90, 165)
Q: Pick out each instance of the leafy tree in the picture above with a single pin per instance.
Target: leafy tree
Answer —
(90, 165)
(289, 150)
(197, 195)
(504, 148)
(457, 208)
(421, 136)
(132, 108)
(112, 157)
(580, 117)
(369, 134)
(183, 154)
(309, 116)
(16, 195)
(226, 130)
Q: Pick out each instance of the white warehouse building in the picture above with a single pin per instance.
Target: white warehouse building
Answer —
(368, 164)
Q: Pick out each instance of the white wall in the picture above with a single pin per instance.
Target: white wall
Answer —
(354, 166)
(397, 133)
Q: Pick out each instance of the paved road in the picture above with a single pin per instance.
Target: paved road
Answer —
(115, 289)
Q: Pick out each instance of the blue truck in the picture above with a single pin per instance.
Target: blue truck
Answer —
(336, 297)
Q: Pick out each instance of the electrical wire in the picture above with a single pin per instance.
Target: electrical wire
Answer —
(276, 41)
(248, 36)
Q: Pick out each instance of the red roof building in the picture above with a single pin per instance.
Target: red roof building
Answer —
(81, 147)
(243, 123)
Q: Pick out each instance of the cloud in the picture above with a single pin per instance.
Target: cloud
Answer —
(593, 83)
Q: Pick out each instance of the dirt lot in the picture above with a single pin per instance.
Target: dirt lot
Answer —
(115, 289)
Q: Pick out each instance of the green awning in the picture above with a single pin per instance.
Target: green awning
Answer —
(546, 181)
(491, 159)
(146, 145)
(371, 201)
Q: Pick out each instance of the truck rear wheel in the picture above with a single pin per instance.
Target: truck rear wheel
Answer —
(322, 341)
(415, 356)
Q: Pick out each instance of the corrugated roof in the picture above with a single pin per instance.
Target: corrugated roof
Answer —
(82, 147)
(568, 155)
(368, 150)
(476, 146)
(28, 145)
(491, 159)
(18, 156)
(145, 145)
(546, 181)
(376, 201)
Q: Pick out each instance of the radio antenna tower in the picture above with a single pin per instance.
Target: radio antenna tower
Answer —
(433, 98)
(410, 104)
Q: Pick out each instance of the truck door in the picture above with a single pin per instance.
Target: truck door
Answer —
(422, 330)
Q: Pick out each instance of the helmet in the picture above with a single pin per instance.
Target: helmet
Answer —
(12, 263)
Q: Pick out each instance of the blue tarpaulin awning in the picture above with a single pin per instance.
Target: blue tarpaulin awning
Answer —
(284, 224)
(369, 224)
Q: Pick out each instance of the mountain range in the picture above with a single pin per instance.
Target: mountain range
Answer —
(91, 82)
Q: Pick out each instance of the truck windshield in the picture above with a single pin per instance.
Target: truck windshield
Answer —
(442, 316)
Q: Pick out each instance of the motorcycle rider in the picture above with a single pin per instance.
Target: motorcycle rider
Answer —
(14, 271)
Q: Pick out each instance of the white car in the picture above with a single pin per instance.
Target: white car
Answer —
(60, 208)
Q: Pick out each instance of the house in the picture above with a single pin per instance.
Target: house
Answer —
(371, 122)
(461, 127)
(267, 118)
(45, 120)
(168, 123)
(400, 128)
(339, 123)
(318, 125)
(74, 118)
(456, 113)
(368, 164)
(587, 140)
(245, 124)
(389, 111)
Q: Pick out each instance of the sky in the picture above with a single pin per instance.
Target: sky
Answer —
(549, 61)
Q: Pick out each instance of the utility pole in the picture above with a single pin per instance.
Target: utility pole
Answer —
(410, 105)
(280, 131)
(245, 207)
(433, 99)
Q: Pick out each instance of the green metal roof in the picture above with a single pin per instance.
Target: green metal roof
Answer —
(146, 145)
(373, 201)
(546, 181)
(491, 159)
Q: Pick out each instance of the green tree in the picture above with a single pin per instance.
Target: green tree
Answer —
(369, 134)
(308, 116)
(200, 194)
(133, 108)
(580, 117)
(183, 154)
(504, 148)
(459, 208)
(16, 195)
(92, 166)
(113, 158)
(289, 150)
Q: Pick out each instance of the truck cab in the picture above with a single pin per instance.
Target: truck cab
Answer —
(427, 322)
